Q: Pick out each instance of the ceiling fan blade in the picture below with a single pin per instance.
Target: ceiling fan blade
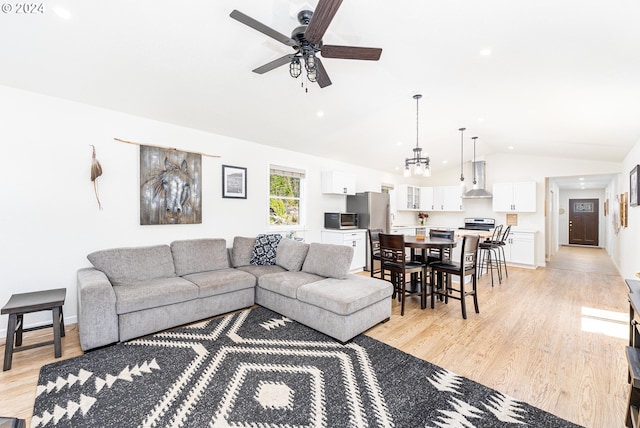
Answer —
(274, 64)
(321, 19)
(321, 74)
(256, 25)
(350, 52)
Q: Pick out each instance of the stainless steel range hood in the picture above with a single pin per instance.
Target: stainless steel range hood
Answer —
(478, 191)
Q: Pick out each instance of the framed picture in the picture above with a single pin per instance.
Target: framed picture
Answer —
(634, 186)
(234, 182)
(170, 186)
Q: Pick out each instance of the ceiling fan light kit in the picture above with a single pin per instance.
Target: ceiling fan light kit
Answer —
(306, 40)
(417, 164)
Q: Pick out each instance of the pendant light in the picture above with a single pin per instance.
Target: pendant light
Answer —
(462, 185)
(462, 155)
(420, 164)
(475, 179)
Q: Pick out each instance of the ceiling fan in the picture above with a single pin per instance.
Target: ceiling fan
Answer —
(306, 41)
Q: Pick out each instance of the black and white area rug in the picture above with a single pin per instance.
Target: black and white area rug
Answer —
(259, 369)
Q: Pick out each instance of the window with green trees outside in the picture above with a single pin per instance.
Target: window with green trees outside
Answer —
(285, 196)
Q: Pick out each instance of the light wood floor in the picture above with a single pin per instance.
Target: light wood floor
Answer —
(532, 340)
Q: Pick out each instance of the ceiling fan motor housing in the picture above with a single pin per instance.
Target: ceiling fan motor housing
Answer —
(304, 17)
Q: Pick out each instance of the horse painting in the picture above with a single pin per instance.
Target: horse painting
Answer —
(170, 189)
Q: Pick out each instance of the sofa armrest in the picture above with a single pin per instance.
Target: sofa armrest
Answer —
(97, 318)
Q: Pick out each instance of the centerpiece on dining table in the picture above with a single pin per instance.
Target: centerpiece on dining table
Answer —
(422, 217)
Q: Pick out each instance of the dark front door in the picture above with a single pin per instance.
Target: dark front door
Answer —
(583, 221)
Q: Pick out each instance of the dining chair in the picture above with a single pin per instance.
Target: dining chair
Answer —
(434, 254)
(374, 252)
(490, 254)
(467, 266)
(393, 259)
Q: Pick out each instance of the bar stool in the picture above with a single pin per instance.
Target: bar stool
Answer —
(490, 254)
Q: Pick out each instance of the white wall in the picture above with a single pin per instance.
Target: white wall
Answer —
(50, 220)
(628, 250)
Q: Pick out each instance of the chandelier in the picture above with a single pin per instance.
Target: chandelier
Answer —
(417, 164)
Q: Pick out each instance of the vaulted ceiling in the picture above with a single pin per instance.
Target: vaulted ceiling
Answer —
(534, 77)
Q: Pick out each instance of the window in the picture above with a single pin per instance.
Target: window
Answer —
(285, 196)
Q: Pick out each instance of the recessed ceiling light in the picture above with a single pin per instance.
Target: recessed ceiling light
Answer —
(485, 52)
(510, 147)
(399, 143)
(445, 161)
(62, 12)
(320, 113)
(581, 178)
(481, 119)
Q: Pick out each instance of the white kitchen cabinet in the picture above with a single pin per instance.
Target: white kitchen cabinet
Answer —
(515, 197)
(520, 249)
(443, 198)
(408, 197)
(338, 182)
(355, 238)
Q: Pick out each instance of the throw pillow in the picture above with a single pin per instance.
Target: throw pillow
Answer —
(264, 249)
(332, 261)
(291, 253)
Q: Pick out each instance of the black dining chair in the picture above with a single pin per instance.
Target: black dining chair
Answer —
(435, 254)
(374, 253)
(467, 266)
(393, 259)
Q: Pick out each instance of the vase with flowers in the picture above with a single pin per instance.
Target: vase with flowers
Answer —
(422, 217)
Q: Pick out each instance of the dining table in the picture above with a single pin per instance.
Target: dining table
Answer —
(425, 243)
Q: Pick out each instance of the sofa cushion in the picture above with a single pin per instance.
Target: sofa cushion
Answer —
(290, 254)
(258, 271)
(199, 255)
(345, 296)
(328, 260)
(264, 249)
(242, 250)
(153, 293)
(134, 264)
(287, 283)
(221, 281)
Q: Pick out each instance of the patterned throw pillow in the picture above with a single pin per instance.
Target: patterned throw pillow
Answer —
(264, 250)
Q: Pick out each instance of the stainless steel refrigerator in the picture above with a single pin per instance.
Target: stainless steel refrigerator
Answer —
(373, 211)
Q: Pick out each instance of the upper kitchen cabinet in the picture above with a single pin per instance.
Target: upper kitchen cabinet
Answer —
(515, 197)
(444, 198)
(407, 197)
(338, 183)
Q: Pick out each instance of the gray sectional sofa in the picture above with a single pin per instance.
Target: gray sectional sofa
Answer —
(132, 292)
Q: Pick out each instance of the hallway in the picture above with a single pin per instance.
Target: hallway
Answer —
(583, 259)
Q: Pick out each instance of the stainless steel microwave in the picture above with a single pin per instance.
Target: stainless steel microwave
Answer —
(340, 220)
